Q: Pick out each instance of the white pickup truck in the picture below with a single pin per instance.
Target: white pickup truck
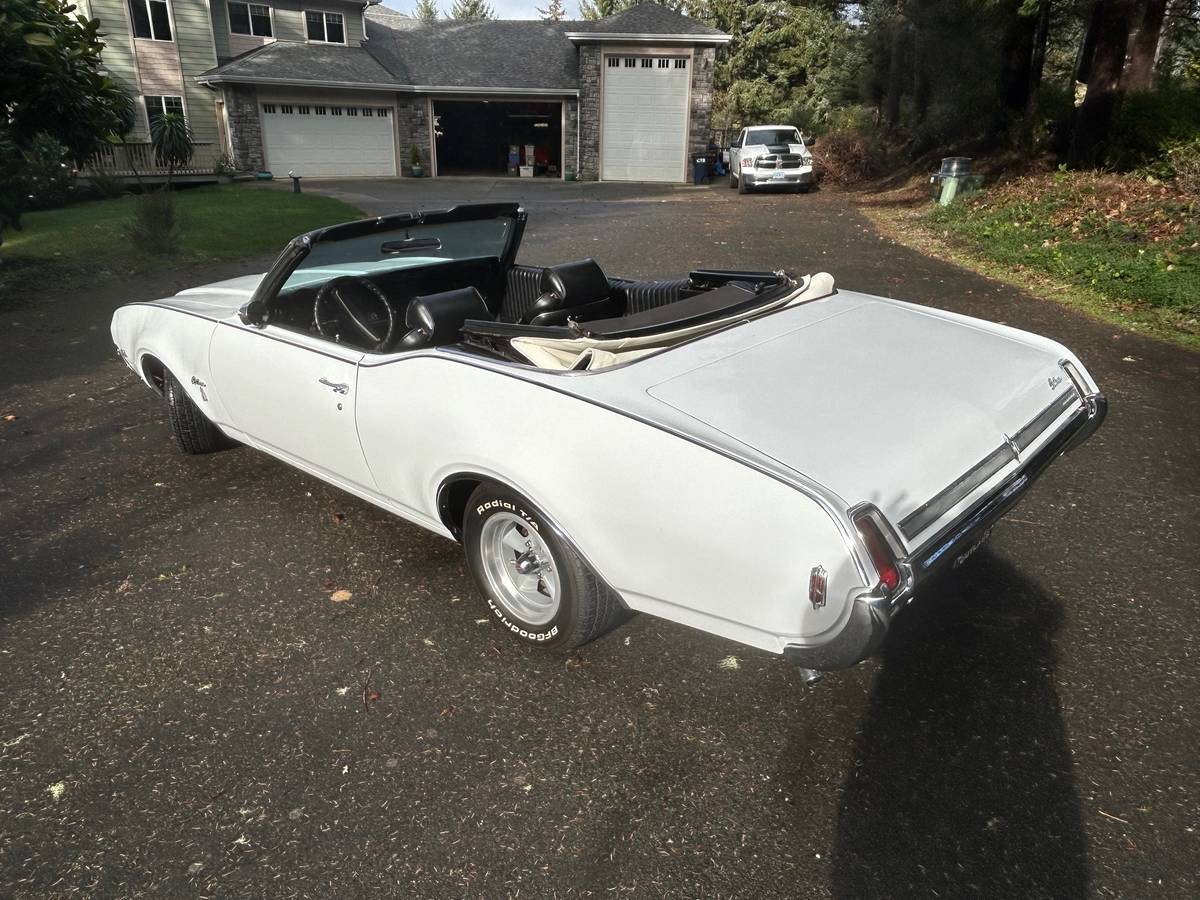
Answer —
(772, 155)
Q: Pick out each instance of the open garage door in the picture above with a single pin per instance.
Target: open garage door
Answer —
(316, 139)
(494, 137)
(645, 118)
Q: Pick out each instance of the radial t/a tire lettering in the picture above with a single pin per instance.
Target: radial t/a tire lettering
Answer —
(536, 586)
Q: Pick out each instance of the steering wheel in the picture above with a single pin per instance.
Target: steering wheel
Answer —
(352, 304)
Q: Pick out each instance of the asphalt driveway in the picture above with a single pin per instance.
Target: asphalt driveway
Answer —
(184, 711)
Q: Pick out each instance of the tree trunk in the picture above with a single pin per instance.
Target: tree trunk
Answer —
(1143, 50)
(1037, 58)
(1111, 23)
(895, 85)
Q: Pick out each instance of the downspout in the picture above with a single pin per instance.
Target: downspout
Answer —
(578, 124)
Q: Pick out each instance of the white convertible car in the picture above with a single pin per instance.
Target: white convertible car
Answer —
(761, 456)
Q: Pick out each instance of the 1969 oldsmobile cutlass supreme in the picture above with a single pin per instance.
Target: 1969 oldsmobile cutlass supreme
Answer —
(762, 456)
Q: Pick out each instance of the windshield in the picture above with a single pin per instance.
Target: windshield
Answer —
(405, 247)
(770, 136)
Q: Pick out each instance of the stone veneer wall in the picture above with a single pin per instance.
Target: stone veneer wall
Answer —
(570, 129)
(589, 112)
(703, 63)
(245, 129)
(412, 127)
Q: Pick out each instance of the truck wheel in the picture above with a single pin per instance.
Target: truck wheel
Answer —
(733, 182)
(194, 433)
(535, 584)
(743, 188)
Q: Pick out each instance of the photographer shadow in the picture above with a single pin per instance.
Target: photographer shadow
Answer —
(961, 783)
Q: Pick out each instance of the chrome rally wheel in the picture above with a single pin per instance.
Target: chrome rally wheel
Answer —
(536, 584)
(521, 571)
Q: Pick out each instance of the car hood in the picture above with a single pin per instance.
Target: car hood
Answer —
(871, 399)
(758, 149)
(218, 300)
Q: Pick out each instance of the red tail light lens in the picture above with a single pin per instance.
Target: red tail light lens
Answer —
(881, 552)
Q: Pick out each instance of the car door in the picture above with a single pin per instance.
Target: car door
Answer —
(735, 152)
(294, 394)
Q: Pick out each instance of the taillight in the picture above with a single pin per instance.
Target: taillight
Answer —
(881, 552)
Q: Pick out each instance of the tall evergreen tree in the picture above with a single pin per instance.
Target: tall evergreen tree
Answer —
(556, 11)
(472, 9)
(426, 10)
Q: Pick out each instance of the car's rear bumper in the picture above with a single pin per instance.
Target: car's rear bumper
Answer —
(872, 613)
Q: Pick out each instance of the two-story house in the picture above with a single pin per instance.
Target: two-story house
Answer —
(337, 88)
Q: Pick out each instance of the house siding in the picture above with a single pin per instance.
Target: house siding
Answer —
(118, 53)
(194, 38)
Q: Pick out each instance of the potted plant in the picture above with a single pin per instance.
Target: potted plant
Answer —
(225, 169)
(414, 159)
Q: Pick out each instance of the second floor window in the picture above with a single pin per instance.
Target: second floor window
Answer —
(250, 18)
(325, 26)
(150, 19)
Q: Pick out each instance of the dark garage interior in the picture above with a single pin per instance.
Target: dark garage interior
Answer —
(477, 137)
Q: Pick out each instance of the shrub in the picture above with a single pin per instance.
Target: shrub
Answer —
(850, 155)
(154, 226)
(47, 175)
(107, 186)
(1148, 123)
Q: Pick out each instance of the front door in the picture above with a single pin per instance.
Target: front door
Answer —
(294, 394)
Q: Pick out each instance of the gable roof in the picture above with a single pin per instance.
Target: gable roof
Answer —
(403, 53)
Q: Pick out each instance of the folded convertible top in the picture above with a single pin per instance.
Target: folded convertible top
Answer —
(715, 304)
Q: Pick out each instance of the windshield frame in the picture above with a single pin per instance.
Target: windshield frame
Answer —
(255, 311)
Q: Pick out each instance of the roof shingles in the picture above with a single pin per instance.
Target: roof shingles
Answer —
(489, 54)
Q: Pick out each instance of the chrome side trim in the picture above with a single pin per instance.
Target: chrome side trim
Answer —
(961, 488)
(1043, 420)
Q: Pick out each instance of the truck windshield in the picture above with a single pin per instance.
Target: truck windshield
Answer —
(770, 136)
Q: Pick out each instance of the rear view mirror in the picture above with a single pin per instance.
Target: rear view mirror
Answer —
(409, 244)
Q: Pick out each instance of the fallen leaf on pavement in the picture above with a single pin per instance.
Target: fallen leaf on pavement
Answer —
(729, 662)
(340, 596)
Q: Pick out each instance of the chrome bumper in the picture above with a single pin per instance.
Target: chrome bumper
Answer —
(872, 613)
(767, 176)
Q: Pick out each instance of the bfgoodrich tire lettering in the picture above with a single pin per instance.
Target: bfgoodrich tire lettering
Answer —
(505, 535)
(194, 433)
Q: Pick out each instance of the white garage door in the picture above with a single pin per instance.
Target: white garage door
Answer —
(645, 118)
(314, 139)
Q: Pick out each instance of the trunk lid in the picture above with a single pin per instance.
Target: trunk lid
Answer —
(880, 402)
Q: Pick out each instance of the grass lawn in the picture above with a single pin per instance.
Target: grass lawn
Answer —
(1122, 248)
(215, 222)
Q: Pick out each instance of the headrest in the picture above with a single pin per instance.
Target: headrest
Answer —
(576, 283)
(439, 317)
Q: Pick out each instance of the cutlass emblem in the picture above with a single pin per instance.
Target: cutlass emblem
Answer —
(1054, 381)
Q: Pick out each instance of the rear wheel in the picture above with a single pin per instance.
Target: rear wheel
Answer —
(194, 433)
(535, 584)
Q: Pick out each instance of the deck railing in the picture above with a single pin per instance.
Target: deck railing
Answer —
(124, 160)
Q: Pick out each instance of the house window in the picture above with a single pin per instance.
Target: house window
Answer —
(681, 63)
(151, 19)
(630, 62)
(268, 108)
(335, 110)
(250, 18)
(352, 110)
(319, 110)
(326, 27)
(384, 112)
(664, 63)
(285, 108)
(614, 62)
(647, 63)
(368, 111)
(156, 106)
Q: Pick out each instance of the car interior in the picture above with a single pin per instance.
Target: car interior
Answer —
(471, 303)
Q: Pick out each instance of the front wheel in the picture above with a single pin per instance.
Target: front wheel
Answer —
(535, 584)
(743, 188)
(733, 182)
(194, 433)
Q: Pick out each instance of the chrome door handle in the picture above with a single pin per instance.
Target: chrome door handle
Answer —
(337, 388)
